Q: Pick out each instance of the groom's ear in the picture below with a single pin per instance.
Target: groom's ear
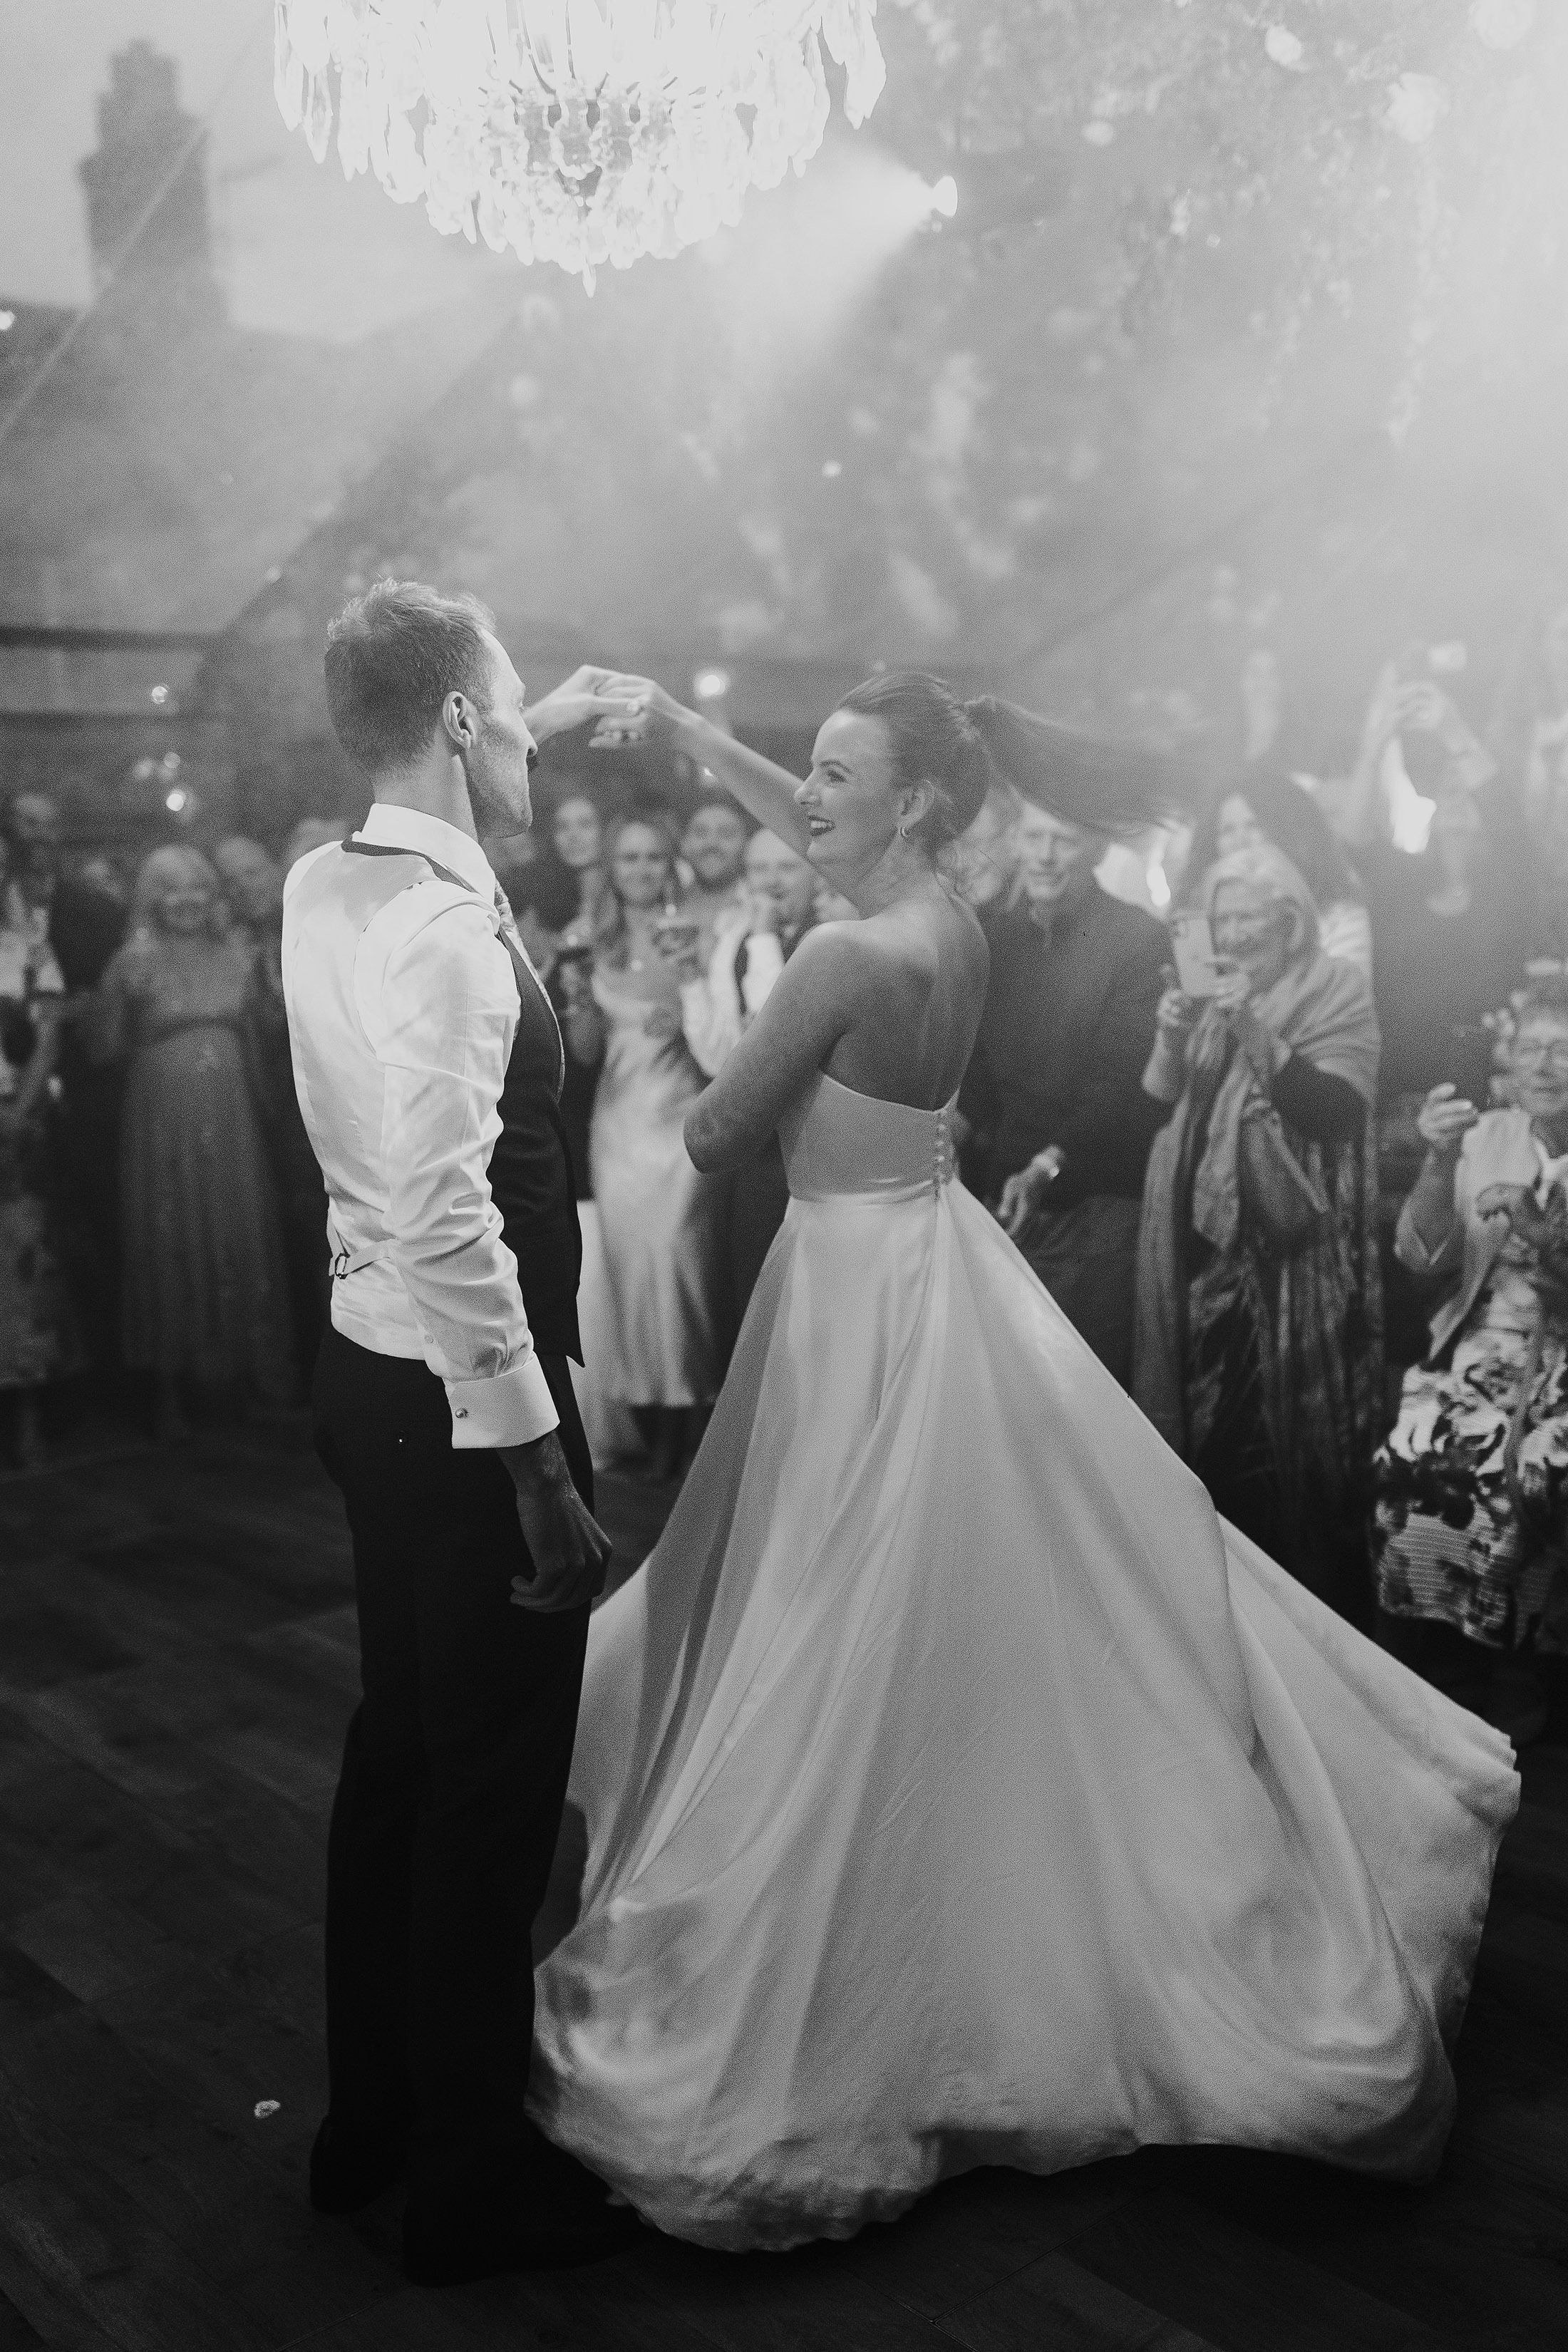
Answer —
(460, 720)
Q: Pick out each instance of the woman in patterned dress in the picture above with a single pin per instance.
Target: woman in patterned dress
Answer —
(1472, 1484)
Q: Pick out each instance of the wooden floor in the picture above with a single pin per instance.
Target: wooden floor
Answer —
(176, 1666)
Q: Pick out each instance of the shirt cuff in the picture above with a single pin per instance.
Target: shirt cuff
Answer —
(513, 1408)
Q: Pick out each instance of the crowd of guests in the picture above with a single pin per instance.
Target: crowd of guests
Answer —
(1303, 1187)
(161, 1211)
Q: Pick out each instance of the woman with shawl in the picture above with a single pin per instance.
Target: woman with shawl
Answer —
(1260, 1327)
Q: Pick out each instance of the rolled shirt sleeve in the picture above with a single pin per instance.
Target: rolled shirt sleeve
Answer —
(438, 997)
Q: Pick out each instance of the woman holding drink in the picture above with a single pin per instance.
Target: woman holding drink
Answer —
(650, 1330)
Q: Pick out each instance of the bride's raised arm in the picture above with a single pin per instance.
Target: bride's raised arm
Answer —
(652, 715)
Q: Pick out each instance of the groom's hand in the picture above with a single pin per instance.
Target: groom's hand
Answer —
(569, 1551)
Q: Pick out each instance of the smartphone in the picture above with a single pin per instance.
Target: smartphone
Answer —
(1467, 1064)
(1193, 943)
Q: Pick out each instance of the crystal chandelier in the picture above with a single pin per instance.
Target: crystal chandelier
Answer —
(577, 131)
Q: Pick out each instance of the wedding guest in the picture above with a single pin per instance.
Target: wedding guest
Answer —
(753, 942)
(32, 828)
(205, 1294)
(82, 916)
(253, 891)
(546, 909)
(752, 939)
(252, 886)
(983, 860)
(1259, 1343)
(578, 856)
(1059, 1124)
(651, 1335)
(714, 846)
(1472, 1484)
(40, 1342)
(1450, 922)
(1268, 806)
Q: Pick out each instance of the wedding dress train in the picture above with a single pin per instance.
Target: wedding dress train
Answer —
(960, 1790)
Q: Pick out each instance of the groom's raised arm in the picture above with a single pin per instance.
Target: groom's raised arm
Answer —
(435, 991)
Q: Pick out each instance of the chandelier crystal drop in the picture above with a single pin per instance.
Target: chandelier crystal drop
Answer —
(577, 131)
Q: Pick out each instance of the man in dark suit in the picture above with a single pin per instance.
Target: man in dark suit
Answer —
(428, 1067)
(1053, 1094)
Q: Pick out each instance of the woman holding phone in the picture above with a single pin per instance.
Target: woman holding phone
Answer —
(1258, 1351)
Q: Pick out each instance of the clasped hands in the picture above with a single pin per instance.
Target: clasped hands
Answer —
(624, 707)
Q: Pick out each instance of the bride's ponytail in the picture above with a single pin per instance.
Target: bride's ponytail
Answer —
(1114, 788)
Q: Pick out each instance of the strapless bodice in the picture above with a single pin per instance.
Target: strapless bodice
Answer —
(837, 1142)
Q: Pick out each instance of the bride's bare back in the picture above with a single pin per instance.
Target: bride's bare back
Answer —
(888, 1005)
(912, 980)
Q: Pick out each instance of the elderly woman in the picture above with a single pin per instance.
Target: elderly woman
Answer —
(205, 1289)
(1472, 1485)
(1259, 1349)
(1270, 806)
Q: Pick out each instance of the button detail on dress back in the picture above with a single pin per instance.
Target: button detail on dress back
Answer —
(941, 1170)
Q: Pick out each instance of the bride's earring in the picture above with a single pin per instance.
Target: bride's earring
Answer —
(903, 830)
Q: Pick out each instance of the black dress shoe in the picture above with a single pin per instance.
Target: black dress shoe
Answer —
(549, 2238)
(346, 2174)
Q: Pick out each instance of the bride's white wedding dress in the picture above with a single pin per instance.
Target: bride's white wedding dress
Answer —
(960, 1790)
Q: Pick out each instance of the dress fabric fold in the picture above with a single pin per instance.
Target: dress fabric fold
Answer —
(960, 1790)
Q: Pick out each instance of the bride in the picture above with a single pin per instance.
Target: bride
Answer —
(959, 1788)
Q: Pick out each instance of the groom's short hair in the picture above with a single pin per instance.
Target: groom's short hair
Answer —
(393, 656)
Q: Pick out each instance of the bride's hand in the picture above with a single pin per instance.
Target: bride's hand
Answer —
(647, 712)
(585, 695)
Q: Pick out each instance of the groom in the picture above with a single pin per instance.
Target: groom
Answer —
(428, 1067)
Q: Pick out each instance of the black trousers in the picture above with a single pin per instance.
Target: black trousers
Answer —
(453, 1783)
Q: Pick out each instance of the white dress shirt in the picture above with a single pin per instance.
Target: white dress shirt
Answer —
(403, 1005)
(715, 1007)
